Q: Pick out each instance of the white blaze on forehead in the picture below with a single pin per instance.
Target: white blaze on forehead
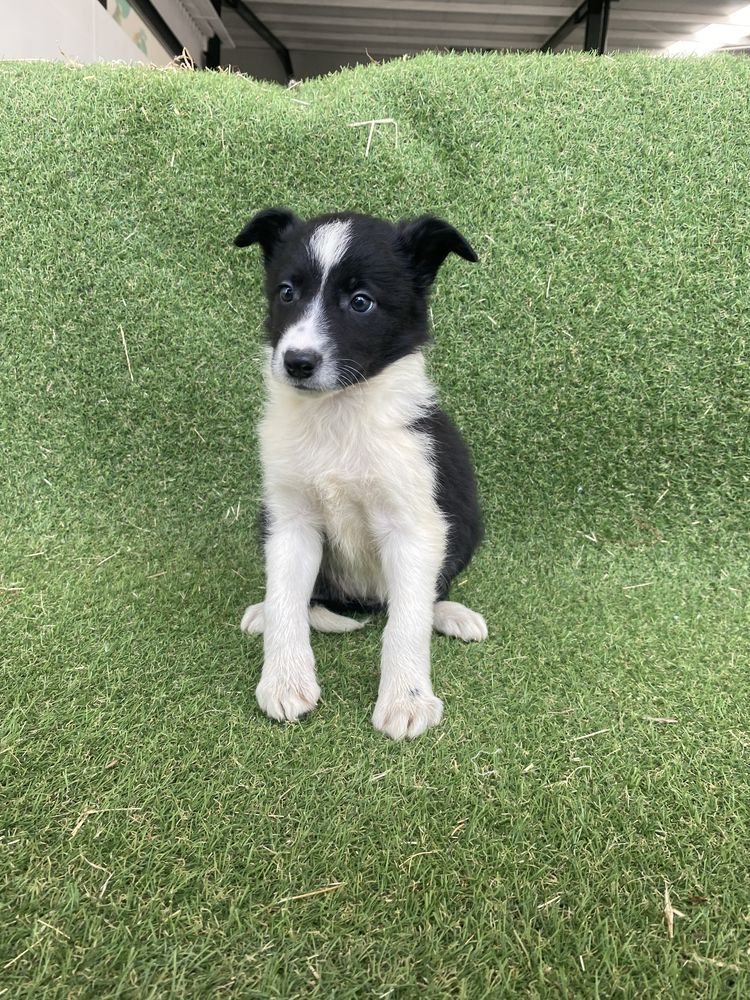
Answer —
(327, 246)
(329, 243)
(308, 333)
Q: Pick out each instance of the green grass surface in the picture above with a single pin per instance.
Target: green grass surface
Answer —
(154, 824)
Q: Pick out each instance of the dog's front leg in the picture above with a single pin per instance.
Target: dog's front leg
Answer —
(288, 686)
(411, 560)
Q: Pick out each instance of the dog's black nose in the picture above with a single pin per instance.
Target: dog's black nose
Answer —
(301, 364)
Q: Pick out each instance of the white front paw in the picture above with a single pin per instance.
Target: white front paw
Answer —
(454, 619)
(254, 620)
(285, 693)
(406, 714)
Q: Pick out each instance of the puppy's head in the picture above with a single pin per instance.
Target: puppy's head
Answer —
(347, 294)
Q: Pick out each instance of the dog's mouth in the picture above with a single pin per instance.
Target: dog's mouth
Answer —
(311, 387)
(328, 377)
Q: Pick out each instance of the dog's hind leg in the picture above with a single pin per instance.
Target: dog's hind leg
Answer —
(321, 619)
(451, 618)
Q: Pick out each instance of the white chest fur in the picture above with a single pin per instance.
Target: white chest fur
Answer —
(351, 463)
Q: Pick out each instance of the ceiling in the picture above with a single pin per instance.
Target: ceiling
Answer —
(341, 32)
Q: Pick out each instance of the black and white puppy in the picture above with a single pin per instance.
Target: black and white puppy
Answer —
(370, 498)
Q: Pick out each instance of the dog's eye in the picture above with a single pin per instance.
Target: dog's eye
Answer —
(286, 292)
(361, 303)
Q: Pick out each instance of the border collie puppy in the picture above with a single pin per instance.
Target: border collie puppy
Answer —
(370, 499)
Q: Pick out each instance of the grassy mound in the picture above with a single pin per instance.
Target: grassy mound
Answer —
(162, 838)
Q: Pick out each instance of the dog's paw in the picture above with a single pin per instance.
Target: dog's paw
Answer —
(407, 715)
(286, 697)
(454, 619)
(253, 620)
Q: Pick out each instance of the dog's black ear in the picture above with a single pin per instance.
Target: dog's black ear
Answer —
(266, 228)
(428, 240)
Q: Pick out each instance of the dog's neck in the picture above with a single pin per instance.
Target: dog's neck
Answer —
(400, 394)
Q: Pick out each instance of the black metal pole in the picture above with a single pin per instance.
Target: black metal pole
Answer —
(212, 58)
(597, 22)
(596, 15)
(566, 27)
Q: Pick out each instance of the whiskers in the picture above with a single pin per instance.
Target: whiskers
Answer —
(348, 373)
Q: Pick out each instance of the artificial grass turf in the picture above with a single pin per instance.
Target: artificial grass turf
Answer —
(157, 830)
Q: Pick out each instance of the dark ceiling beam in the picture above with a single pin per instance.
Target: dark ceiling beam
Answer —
(260, 29)
(566, 27)
(596, 15)
(159, 26)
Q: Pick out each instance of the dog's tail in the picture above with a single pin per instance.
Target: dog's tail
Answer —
(324, 620)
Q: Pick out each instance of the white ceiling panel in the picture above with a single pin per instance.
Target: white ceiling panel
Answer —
(370, 28)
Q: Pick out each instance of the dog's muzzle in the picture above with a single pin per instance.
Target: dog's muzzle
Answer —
(301, 365)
